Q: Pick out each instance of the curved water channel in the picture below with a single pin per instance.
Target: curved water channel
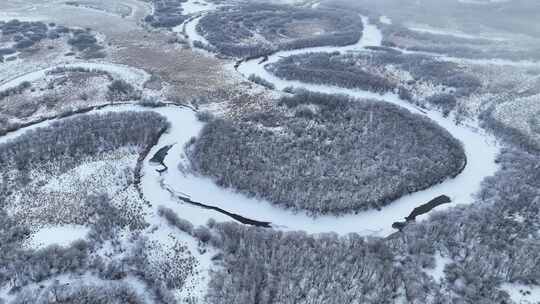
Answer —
(177, 186)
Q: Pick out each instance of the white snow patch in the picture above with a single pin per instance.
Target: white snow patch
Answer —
(197, 6)
(522, 294)
(385, 20)
(438, 272)
(449, 32)
(61, 235)
(105, 175)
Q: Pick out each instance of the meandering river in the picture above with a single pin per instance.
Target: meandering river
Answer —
(480, 148)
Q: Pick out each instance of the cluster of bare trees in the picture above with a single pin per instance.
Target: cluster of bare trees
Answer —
(371, 71)
(258, 29)
(265, 266)
(167, 13)
(85, 42)
(26, 34)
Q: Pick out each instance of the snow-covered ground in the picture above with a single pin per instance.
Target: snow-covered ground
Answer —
(480, 150)
(184, 125)
(440, 263)
(62, 235)
(449, 32)
(165, 236)
(105, 175)
(522, 294)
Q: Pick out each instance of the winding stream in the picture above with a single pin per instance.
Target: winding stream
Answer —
(174, 187)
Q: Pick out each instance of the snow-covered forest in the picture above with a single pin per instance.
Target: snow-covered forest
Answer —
(369, 154)
(462, 254)
(255, 30)
(283, 151)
